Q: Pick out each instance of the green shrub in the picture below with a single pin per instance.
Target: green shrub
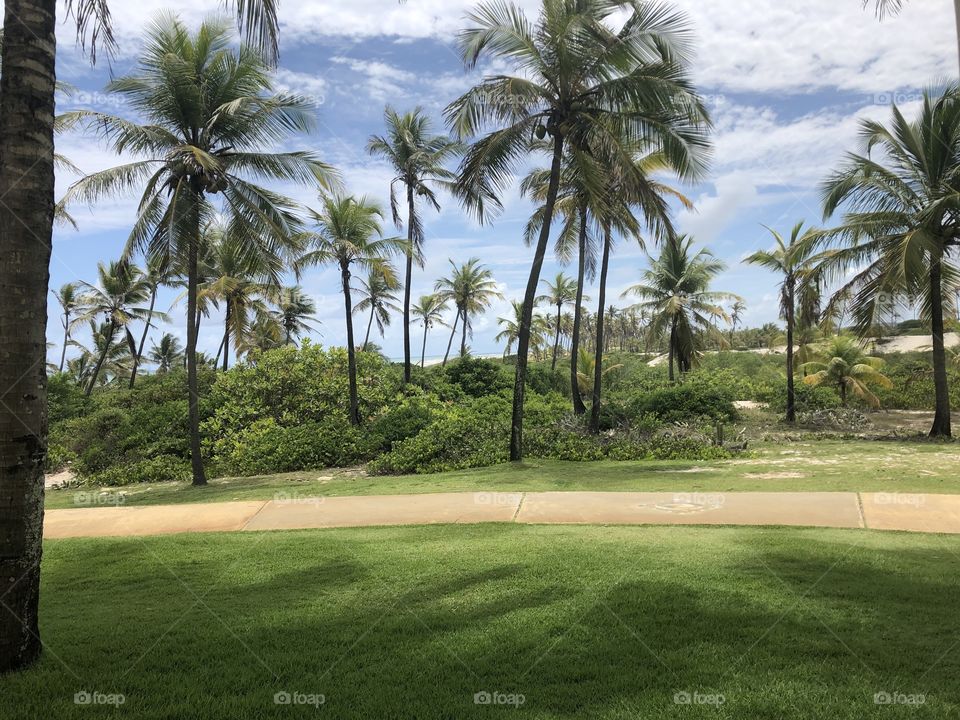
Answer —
(471, 435)
(161, 468)
(808, 398)
(404, 419)
(478, 377)
(65, 398)
(266, 447)
(542, 380)
(684, 403)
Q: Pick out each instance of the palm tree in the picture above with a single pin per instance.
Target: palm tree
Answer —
(156, 273)
(844, 365)
(892, 7)
(242, 275)
(562, 291)
(901, 223)
(790, 259)
(69, 301)
(294, 312)
(210, 113)
(121, 289)
(263, 334)
(511, 329)
(417, 157)
(677, 298)
(581, 83)
(27, 89)
(105, 360)
(429, 311)
(587, 371)
(350, 235)
(377, 291)
(167, 354)
(471, 288)
(737, 310)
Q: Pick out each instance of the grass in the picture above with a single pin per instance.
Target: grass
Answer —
(860, 466)
(608, 623)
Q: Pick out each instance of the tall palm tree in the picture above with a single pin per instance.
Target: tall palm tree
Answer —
(156, 273)
(210, 113)
(27, 89)
(792, 260)
(843, 364)
(429, 311)
(902, 223)
(166, 354)
(263, 334)
(377, 291)
(116, 298)
(892, 7)
(581, 82)
(105, 357)
(562, 291)
(295, 310)
(511, 329)
(349, 235)
(677, 297)
(417, 156)
(737, 310)
(69, 300)
(471, 288)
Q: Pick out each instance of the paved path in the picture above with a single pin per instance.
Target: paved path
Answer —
(878, 511)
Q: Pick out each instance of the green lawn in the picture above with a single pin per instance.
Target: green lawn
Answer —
(817, 465)
(582, 622)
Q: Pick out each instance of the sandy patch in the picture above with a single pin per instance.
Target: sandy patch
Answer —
(775, 476)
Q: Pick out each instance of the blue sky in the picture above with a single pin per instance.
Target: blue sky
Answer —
(786, 83)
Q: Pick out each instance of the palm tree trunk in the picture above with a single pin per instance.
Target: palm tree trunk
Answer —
(453, 334)
(351, 351)
(523, 342)
(26, 226)
(366, 340)
(406, 288)
(670, 349)
(556, 341)
(578, 407)
(598, 364)
(956, 11)
(941, 421)
(66, 338)
(791, 391)
(228, 316)
(111, 329)
(193, 327)
(143, 339)
(463, 338)
(423, 350)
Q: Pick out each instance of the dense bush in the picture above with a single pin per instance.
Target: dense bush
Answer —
(685, 403)
(478, 377)
(129, 433)
(266, 447)
(469, 435)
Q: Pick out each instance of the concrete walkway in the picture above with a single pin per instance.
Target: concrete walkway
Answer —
(878, 511)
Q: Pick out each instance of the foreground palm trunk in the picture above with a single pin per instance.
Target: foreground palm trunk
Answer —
(598, 364)
(529, 298)
(406, 287)
(193, 389)
(26, 230)
(578, 407)
(941, 421)
(351, 350)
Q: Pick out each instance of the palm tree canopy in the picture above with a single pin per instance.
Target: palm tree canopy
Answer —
(208, 114)
(843, 363)
(429, 310)
(792, 259)
(470, 287)
(377, 293)
(579, 79)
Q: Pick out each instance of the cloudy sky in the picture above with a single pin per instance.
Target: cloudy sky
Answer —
(786, 83)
